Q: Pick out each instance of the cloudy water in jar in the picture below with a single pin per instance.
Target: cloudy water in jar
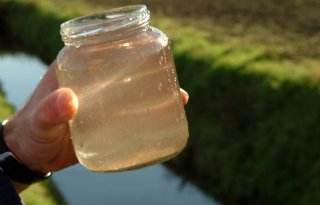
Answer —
(143, 90)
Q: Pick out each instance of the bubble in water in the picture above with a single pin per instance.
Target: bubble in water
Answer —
(77, 44)
(163, 41)
(59, 67)
(69, 76)
(160, 86)
(81, 122)
(127, 80)
(161, 60)
(126, 45)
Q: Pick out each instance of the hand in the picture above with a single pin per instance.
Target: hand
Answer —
(39, 135)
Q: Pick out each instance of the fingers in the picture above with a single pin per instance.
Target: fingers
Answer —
(57, 108)
(184, 96)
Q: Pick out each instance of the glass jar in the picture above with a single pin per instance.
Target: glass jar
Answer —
(130, 109)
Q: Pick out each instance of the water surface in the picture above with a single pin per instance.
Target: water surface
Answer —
(19, 75)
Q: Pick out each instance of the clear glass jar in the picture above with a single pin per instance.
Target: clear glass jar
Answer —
(130, 109)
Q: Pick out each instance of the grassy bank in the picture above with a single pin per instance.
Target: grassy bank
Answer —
(43, 193)
(5, 108)
(254, 88)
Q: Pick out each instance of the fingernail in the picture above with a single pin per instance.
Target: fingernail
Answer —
(185, 96)
(184, 92)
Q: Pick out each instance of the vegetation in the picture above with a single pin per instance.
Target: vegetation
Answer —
(253, 77)
(43, 193)
(5, 108)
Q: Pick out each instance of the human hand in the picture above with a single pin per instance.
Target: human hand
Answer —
(39, 135)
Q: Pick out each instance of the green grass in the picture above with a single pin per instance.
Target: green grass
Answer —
(5, 108)
(44, 193)
(254, 90)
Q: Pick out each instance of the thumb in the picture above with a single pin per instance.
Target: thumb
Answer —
(56, 109)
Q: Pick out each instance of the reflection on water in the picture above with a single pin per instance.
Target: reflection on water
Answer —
(19, 74)
(149, 186)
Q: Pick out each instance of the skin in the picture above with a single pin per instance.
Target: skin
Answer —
(39, 135)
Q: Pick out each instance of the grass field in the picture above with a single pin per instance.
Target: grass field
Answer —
(43, 193)
(252, 70)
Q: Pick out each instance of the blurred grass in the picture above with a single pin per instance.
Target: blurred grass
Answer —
(252, 70)
(43, 193)
(5, 108)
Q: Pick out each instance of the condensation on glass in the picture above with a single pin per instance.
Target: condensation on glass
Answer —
(130, 109)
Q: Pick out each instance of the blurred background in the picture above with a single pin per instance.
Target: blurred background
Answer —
(252, 70)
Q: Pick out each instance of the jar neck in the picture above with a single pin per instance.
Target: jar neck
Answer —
(107, 26)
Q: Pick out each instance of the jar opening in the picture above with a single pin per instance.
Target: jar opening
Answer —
(128, 18)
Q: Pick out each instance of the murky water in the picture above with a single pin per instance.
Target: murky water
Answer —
(156, 185)
(117, 127)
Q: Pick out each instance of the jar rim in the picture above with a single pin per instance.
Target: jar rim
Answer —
(116, 19)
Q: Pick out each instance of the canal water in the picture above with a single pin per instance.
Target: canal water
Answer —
(156, 185)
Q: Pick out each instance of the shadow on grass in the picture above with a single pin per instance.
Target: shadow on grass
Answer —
(250, 142)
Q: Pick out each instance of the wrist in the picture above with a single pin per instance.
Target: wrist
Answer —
(12, 134)
(10, 161)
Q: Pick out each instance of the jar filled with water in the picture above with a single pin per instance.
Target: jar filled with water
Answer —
(122, 71)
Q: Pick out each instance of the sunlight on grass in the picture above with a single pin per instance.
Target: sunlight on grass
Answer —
(38, 194)
(5, 108)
